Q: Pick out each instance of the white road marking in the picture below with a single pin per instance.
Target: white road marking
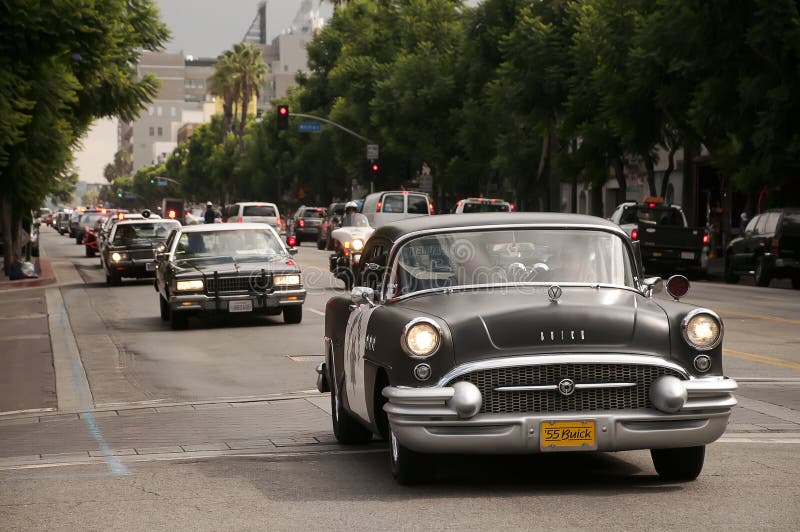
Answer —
(317, 312)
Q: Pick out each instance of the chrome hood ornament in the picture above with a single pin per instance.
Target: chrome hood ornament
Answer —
(554, 293)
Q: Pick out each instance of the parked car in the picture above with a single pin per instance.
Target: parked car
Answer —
(131, 246)
(382, 208)
(668, 243)
(228, 268)
(307, 222)
(87, 221)
(517, 334)
(254, 212)
(61, 222)
(330, 222)
(768, 249)
(470, 205)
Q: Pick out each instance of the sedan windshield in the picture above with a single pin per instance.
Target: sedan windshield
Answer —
(239, 244)
(127, 233)
(503, 257)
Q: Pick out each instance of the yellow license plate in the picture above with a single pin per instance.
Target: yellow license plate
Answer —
(575, 434)
(657, 253)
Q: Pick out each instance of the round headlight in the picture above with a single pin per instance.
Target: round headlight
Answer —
(358, 245)
(116, 257)
(421, 338)
(702, 329)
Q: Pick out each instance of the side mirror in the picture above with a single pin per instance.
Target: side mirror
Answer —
(653, 285)
(160, 247)
(292, 251)
(362, 295)
(160, 255)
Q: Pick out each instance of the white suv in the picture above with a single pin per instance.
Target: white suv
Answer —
(254, 212)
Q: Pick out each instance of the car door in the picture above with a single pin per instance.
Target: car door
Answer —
(355, 338)
(740, 248)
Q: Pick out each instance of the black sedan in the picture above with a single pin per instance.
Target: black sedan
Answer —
(517, 334)
(228, 268)
(130, 248)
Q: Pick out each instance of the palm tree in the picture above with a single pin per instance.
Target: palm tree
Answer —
(225, 83)
(251, 71)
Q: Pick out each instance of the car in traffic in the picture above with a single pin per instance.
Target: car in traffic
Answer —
(668, 243)
(61, 221)
(218, 269)
(470, 205)
(86, 222)
(517, 334)
(769, 248)
(91, 236)
(382, 208)
(75, 221)
(331, 221)
(45, 214)
(307, 223)
(130, 248)
(254, 212)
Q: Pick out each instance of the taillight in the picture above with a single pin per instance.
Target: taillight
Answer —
(301, 223)
(239, 219)
(635, 234)
(430, 208)
(511, 207)
(292, 241)
(380, 204)
(774, 246)
(705, 238)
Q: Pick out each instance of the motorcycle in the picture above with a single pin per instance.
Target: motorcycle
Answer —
(348, 242)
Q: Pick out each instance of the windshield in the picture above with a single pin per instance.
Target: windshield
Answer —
(486, 207)
(504, 257)
(126, 233)
(239, 244)
(666, 216)
(90, 219)
(259, 210)
(355, 220)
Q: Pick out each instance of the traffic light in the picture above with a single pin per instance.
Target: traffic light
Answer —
(374, 168)
(283, 117)
(152, 181)
(172, 209)
(119, 194)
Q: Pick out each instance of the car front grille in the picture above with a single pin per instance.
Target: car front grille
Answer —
(581, 400)
(254, 283)
(141, 254)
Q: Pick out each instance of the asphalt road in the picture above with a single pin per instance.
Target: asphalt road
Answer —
(218, 427)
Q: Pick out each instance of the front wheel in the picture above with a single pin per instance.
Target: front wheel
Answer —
(763, 276)
(293, 314)
(89, 252)
(113, 279)
(320, 244)
(681, 464)
(178, 320)
(346, 428)
(78, 239)
(408, 467)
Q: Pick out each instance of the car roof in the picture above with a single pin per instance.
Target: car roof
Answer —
(248, 203)
(201, 228)
(382, 192)
(145, 220)
(399, 228)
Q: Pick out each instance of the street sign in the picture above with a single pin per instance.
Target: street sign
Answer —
(130, 196)
(309, 127)
(372, 152)
(162, 182)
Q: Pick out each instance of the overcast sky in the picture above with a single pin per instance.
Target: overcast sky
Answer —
(202, 28)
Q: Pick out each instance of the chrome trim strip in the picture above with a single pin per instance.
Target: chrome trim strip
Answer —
(545, 388)
(549, 387)
(464, 229)
(691, 314)
(466, 287)
(543, 360)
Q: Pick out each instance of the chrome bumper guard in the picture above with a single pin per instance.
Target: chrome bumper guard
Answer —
(445, 419)
(205, 302)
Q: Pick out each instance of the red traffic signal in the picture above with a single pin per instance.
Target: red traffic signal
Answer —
(374, 168)
(283, 117)
(172, 208)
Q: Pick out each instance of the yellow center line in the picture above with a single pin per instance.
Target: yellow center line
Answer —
(756, 316)
(764, 359)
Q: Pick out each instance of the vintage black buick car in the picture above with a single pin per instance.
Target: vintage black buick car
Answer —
(228, 268)
(521, 333)
(129, 250)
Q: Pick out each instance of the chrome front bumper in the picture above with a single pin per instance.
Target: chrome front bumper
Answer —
(445, 419)
(203, 302)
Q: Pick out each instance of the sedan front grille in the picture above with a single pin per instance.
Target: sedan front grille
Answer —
(581, 400)
(254, 283)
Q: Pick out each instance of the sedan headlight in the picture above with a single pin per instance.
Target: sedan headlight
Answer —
(421, 337)
(358, 245)
(116, 257)
(702, 329)
(287, 280)
(193, 284)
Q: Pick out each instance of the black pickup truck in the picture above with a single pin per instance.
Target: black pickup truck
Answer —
(668, 244)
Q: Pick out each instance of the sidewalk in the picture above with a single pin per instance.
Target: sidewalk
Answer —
(44, 267)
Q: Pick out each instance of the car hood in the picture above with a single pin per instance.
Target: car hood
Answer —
(524, 321)
(234, 268)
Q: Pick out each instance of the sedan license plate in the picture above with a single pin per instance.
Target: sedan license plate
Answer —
(657, 253)
(687, 255)
(557, 435)
(150, 266)
(240, 306)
